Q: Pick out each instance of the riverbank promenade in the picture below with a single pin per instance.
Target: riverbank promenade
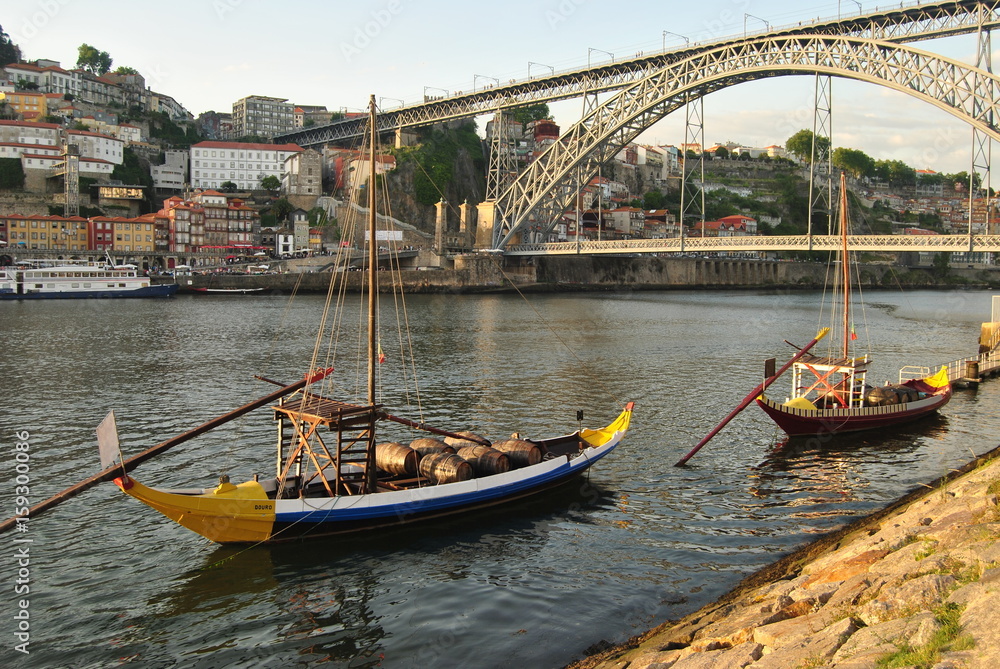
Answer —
(914, 585)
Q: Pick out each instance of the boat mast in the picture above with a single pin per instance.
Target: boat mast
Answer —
(372, 251)
(845, 265)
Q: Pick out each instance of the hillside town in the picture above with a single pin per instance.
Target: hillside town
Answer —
(101, 162)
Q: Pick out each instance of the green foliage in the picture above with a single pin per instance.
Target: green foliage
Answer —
(801, 144)
(93, 60)
(125, 69)
(654, 199)
(722, 152)
(895, 172)
(282, 208)
(80, 125)
(435, 159)
(11, 173)
(8, 50)
(947, 638)
(228, 187)
(23, 85)
(318, 217)
(530, 113)
(308, 123)
(131, 171)
(162, 127)
(337, 116)
(271, 184)
(941, 268)
(856, 163)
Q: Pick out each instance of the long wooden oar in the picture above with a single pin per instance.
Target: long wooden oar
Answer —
(133, 462)
(753, 395)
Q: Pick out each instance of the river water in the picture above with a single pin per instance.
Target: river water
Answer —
(534, 584)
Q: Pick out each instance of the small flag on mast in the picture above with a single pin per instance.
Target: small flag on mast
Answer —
(381, 355)
(854, 335)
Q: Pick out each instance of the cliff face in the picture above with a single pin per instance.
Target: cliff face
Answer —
(466, 183)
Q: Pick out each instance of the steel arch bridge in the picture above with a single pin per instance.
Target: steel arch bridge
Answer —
(903, 25)
(547, 187)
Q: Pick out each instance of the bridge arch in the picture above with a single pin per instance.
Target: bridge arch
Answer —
(547, 187)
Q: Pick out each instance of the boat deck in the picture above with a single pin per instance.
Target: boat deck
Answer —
(323, 410)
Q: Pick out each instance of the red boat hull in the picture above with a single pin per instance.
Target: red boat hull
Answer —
(800, 422)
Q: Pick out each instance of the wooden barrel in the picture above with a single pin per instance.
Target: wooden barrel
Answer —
(445, 468)
(521, 453)
(427, 445)
(396, 459)
(485, 461)
(456, 443)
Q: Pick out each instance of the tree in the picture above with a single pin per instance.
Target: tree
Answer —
(318, 217)
(525, 115)
(654, 199)
(11, 173)
(856, 163)
(940, 268)
(270, 183)
(125, 69)
(24, 85)
(228, 187)
(93, 60)
(722, 152)
(801, 144)
(895, 172)
(282, 208)
(9, 53)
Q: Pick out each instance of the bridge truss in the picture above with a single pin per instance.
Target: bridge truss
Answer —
(700, 245)
(868, 48)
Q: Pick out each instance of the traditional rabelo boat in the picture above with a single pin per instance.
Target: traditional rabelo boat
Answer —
(334, 475)
(831, 394)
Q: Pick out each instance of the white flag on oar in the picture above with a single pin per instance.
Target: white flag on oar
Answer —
(107, 441)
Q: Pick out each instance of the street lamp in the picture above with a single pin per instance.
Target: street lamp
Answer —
(552, 69)
(687, 42)
(854, 1)
(751, 16)
(475, 77)
(590, 50)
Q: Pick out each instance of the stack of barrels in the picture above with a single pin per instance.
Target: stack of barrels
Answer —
(454, 459)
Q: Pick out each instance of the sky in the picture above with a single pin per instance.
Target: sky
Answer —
(209, 53)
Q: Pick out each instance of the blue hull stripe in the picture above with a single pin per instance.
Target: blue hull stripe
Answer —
(457, 501)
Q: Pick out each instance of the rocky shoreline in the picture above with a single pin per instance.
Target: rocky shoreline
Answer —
(916, 584)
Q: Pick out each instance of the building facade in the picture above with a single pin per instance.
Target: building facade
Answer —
(244, 164)
(262, 116)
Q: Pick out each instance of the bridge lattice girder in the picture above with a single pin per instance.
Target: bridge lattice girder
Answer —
(873, 243)
(546, 188)
(907, 24)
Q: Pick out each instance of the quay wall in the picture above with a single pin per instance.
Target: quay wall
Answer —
(478, 274)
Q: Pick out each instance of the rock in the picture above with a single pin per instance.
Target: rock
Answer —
(915, 630)
(794, 630)
(845, 569)
(821, 645)
(918, 594)
(743, 655)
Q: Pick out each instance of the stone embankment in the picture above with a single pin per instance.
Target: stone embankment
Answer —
(915, 585)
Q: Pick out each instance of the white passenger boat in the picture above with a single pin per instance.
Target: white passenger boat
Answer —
(62, 279)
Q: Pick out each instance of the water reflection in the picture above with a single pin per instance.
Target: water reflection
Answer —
(513, 586)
